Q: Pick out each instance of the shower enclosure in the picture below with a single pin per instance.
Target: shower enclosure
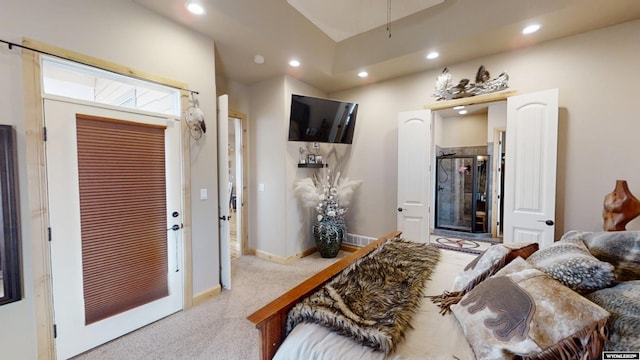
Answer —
(461, 193)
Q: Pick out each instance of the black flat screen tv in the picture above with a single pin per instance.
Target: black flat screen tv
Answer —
(321, 120)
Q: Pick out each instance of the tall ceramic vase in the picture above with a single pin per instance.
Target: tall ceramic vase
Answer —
(328, 238)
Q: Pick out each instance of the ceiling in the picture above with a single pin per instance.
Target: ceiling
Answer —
(370, 14)
(337, 41)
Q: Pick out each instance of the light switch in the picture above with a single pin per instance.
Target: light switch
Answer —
(203, 194)
(260, 187)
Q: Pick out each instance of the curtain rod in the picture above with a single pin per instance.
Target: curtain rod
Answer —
(10, 45)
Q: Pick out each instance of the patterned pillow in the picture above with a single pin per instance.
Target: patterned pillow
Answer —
(619, 248)
(623, 302)
(571, 263)
(521, 312)
(482, 267)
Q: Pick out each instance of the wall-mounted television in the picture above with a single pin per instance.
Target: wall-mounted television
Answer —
(321, 120)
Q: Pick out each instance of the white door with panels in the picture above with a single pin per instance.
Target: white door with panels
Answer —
(224, 191)
(414, 184)
(115, 210)
(530, 178)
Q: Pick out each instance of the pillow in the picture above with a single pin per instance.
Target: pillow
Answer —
(623, 302)
(572, 264)
(489, 262)
(482, 267)
(522, 312)
(619, 248)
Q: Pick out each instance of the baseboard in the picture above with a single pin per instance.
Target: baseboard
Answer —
(203, 296)
(349, 247)
(291, 259)
(278, 259)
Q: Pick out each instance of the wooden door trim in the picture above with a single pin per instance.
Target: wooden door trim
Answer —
(37, 184)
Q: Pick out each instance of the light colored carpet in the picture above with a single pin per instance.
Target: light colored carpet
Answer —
(218, 328)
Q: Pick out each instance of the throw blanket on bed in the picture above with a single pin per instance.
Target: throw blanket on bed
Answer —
(373, 299)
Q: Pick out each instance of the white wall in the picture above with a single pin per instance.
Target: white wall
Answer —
(267, 180)
(17, 332)
(459, 131)
(280, 226)
(299, 219)
(496, 119)
(126, 34)
(596, 74)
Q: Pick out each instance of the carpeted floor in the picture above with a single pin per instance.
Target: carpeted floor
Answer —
(218, 328)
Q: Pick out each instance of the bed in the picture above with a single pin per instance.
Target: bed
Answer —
(447, 329)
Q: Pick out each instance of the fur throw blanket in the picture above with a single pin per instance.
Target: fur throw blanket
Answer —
(373, 299)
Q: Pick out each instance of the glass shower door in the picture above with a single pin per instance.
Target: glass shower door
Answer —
(455, 192)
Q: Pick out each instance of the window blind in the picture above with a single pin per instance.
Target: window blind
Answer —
(123, 214)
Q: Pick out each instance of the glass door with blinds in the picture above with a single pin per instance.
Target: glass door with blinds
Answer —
(115, 204)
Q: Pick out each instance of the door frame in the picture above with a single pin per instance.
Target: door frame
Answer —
(497, 181)
(103, 330)
(37, 184)
(435, 108)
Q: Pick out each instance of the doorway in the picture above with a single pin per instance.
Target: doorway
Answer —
(237, 183)
(464, 173)
(114, 175)
(531, 121)
(115, 206)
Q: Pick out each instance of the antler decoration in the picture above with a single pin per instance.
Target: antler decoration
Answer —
(484, 84)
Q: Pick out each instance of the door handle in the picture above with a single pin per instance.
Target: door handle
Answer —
(175, 227)
(548, 222)
(224, 217)
(400, 209)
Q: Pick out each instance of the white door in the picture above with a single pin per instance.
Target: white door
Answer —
(74, 335)
(530, 178)
(224, 191)
(414, 183)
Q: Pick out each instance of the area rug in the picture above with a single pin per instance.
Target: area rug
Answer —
(372, 300)
(461, 245)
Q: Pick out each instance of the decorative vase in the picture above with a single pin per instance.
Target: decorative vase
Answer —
(328, 238)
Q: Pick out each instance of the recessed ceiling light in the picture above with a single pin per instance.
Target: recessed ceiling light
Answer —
(458, 107)
(432, 55)
(530, 29)
(462, 112)
(258, 59)
(363, 74)
(195, 7)
(294, 63)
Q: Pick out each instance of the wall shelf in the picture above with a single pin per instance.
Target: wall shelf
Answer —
(317, 166)
(471, 100)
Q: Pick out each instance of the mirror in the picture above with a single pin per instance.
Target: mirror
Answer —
(10, 278)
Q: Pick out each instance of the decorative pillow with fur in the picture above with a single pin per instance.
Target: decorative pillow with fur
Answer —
(521, 312)
(571, 263)
(619, 248)
(481, 268)
(623, 302)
